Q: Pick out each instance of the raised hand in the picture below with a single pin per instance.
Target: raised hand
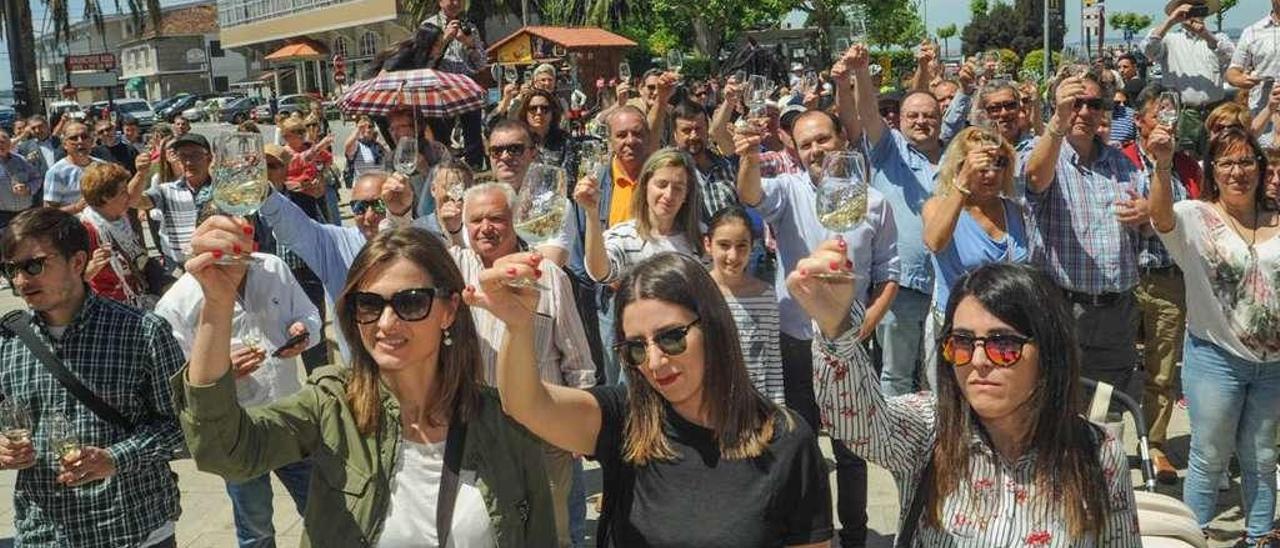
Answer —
(514, 306)
(217, 237)
(826, 299)
(397, 194)
(587, 193)
(90, 465)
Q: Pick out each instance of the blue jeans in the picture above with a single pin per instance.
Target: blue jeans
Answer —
(604, 314)
(251, 503)
(901, 338)
(1234, 406)
(578, 506)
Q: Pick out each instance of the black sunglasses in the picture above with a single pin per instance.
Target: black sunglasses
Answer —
(515, 149)
(1093, 104)
(997, 108)
(31, 267)
(358, 207)
(672, 342)
(540, 108)
(410, 305)
(1002, 350)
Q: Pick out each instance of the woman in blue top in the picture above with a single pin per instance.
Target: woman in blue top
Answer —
(972, 219)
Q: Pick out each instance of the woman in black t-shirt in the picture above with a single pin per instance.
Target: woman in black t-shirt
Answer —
(692, 454)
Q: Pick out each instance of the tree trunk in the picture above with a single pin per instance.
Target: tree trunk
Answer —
(707, 41)
(27, 43)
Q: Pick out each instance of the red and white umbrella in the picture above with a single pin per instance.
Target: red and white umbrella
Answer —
(432, 93)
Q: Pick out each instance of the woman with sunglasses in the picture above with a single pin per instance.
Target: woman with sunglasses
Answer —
(665, 216)
(972, 218)
(1227, 243)
(692, 454)
(543, 113)
(407, 448)
(999, 452)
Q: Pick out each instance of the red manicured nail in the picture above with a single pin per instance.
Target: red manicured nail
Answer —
(537, 273)
(511, 272)
(248, 230)
(470, 289)
(237, 249)
(804, 272)
(835, 265)
(840, 239)
(848, 263)
(217, 254)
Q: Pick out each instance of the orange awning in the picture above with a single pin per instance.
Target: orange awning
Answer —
(300, 49)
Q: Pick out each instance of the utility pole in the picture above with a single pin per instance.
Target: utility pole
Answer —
(24, 100)
(1048, 55)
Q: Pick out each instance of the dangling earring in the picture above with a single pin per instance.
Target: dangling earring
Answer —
(448, 339)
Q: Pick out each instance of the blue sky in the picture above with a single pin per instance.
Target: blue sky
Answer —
(940, 12)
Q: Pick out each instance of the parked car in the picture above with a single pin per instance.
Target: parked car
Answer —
(7, 117)
(242, 109)
(178, 107)
(200, 111)
(58, 109)
(162, 105)
(136, 109)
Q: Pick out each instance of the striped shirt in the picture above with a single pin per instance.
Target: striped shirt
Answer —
(15, 169)
(62, 181)
(179, 206)
(999, 504)
(1123, 128)
(625, 248)
(758, 323)
(126, 357)
(560, 341)
(1084, 247)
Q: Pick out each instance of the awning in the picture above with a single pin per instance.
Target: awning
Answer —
(135, 84)
(299, 49)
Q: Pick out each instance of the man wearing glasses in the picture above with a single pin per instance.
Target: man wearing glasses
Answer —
(62, 181)
(111, 149)
(1083, 195)
(180, 201)
(126, 358)
(511, 152)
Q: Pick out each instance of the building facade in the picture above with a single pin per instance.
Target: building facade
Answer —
(185, 56)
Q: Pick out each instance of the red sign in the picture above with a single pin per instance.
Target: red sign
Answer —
(97, 62)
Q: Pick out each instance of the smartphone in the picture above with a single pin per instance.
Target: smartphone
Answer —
(1198, 10)
(289, 343)
(1268, 84)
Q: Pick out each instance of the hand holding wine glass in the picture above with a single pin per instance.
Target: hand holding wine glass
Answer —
(540, 207)
(822, 284)
(16, 450)
(406, 156)
(841, 203)
(240, 183)
(502, 288)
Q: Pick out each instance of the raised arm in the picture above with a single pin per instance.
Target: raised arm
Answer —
(941, 213)
(846, 104)
(596, 260)
(720, 132)
(1041, 167)
(568, 418)
(750, 190)
(866, 96)
(1160, 145)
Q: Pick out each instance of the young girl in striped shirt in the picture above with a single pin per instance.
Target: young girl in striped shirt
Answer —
(753, 303)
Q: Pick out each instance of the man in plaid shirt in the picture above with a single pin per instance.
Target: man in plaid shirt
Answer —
(1083, 197)
(117, 489)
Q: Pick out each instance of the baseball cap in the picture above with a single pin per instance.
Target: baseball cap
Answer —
(191, 139)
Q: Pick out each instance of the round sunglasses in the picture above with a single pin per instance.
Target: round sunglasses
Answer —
(672, 342)
(410, 305)
(1003, 350)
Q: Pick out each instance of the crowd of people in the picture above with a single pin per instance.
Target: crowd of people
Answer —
(694, 326)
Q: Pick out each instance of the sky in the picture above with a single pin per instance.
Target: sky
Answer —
(939, 12)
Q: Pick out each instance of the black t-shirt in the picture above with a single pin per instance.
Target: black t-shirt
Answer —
(781, 497)
(121, 153)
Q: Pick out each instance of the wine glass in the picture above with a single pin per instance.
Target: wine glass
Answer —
(62, 438)
(675, 60)
(841, 201)
(240, 182)
(857, 18)
(540, 207)
(496, 71)
(16, 422)
(1167, 109)
(842, 45)
(406, 156)
(512, 74)
(624, 71)
(591, 158)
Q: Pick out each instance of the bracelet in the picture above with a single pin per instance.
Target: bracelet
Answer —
(454, 231)
(1053, 130)
(960, 189)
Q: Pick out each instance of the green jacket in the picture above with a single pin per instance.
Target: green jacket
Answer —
(348, 503)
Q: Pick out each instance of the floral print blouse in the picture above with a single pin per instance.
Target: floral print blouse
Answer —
(998, 506)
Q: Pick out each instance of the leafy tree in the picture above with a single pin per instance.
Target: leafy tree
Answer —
(946, 33)
(1019, 27)
(978, 8)
(1226, 5)
(1129, 23)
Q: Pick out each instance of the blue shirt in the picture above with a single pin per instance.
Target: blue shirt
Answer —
(905, 176)
(789, 205)
(62, 181)
(1151, 251)
(971, 247)
(16, 169)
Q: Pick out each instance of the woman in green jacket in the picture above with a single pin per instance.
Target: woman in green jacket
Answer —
(399, 442)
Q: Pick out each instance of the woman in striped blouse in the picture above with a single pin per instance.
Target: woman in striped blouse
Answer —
(753, 303)
(999, 455)
(664, 217)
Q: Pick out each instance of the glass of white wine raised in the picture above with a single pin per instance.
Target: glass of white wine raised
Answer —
(16, 422)
(841, 201)
(62, 438)
(540, 207)
(240, 182)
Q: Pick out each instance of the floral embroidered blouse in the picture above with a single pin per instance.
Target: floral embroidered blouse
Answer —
(997, 506)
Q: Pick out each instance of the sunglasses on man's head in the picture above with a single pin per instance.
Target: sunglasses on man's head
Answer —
(515, 149)
(410, 305)
(358, 207)
(1003, 350)
(672, 342)
(31, 267)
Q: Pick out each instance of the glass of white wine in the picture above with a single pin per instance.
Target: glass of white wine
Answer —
(15, 421)
(857, 18)
(591, 158)
(1167, 109)
(624, 71)
(675, 60)
(240, 182)
(62, 438)
(406, 156)
(841, 201)
(540, 207)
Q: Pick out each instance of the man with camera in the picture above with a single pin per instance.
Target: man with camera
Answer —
(1192, 59)
(460, 50)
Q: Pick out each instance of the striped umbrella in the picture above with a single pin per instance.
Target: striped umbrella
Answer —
(432, 93)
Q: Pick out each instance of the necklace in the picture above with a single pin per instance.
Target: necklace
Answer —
(1238, 227)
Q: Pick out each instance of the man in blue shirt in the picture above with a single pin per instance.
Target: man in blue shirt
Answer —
(905, 162)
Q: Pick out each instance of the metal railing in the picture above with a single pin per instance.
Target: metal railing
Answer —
(241, 12)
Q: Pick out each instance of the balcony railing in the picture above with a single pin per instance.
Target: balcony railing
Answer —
(241, 12)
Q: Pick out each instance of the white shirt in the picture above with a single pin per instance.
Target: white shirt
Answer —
(411, 515)
(275, 301)
(1232, 300)
(625, 248)
(1189, 64)
(1258, 53)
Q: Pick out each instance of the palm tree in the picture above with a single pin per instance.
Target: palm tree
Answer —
(946, 33)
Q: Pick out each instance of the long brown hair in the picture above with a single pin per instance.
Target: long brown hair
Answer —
(740, 416)
(1067, 469)
(458, 375)
(690, 214)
